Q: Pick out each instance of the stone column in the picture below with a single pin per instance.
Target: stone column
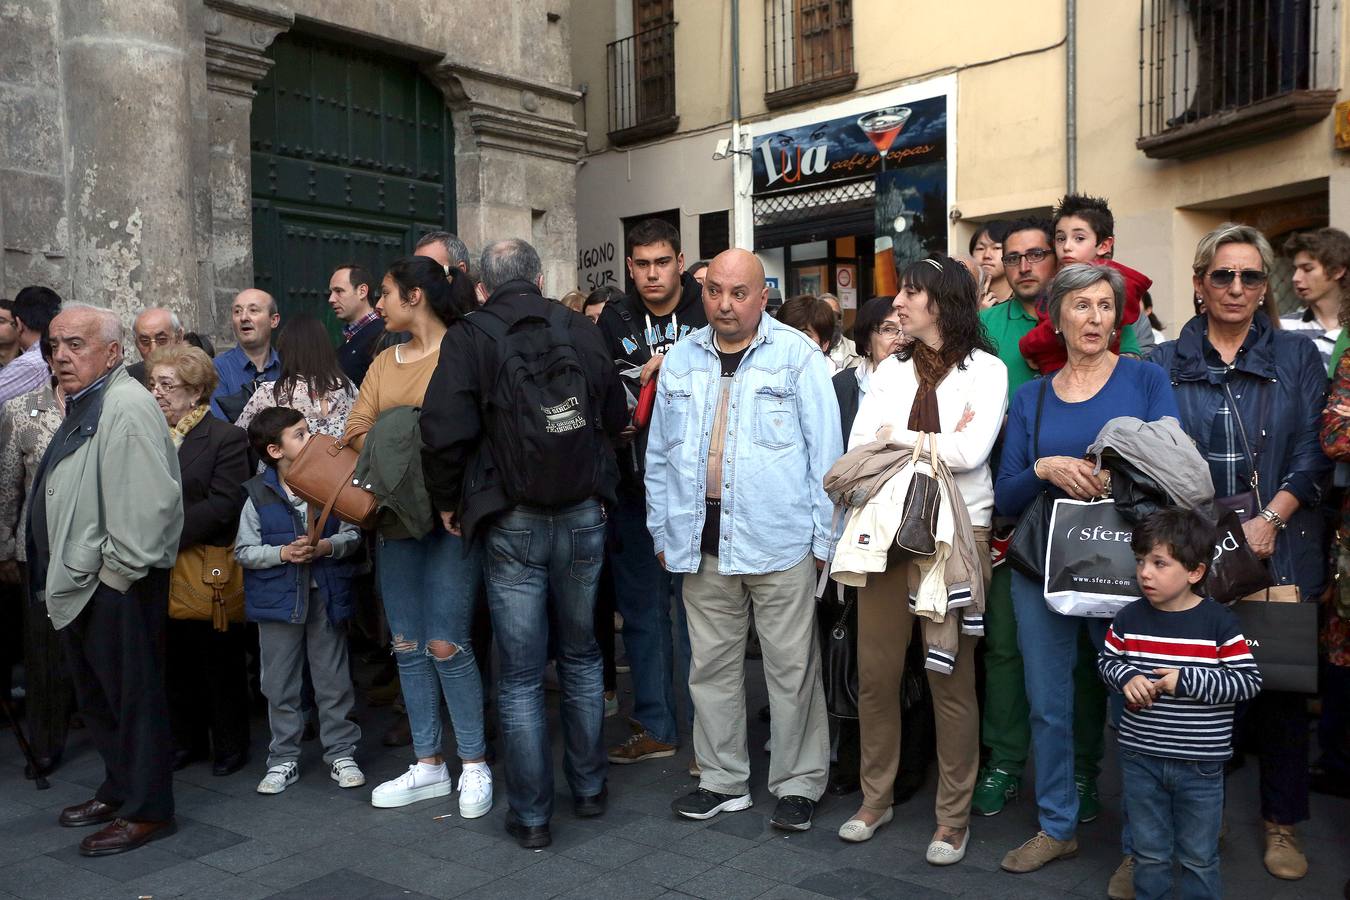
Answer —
(127, 126)
(516, 151)
(236, 36)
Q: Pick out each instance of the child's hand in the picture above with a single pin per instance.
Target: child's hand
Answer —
(1139, 692)
(1167, 681)
(299, 551)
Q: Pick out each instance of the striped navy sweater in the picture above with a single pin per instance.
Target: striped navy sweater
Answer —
(1216, 671)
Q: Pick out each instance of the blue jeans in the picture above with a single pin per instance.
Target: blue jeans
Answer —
(643, 591)
(534, 557)
(1049, 645)
(1177, 810)
(429, 586)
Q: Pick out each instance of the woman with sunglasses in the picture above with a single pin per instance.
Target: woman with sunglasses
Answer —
(1251, 397)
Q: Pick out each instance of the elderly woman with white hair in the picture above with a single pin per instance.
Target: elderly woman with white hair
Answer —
(1071, 406)
(1251, 396)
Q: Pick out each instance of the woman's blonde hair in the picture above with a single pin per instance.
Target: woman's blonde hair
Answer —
(192, 366)
(1231, 233)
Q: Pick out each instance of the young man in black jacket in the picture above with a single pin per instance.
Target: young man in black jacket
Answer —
(538, 554)
(666, 305)
(351, 295)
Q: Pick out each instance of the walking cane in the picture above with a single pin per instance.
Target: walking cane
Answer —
(38, 778)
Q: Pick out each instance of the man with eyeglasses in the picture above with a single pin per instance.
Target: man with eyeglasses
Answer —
(154, 328)
(1030, 265)
(9, 332)
(665, 306)
(34, 308)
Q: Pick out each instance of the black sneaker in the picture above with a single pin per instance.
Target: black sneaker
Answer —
(793, 813)
(704, 804)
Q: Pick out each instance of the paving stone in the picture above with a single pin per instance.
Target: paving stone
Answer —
(616, 886)
(776, 860)
(725, 884)
(185, 878)
(243, 856)
(345, 884)
(665, 868)
(750, 824)
(420, 873)
(711, 846)
(195, 839)
(608, 852)
(120, 866)
(42, 877)
(843, 884)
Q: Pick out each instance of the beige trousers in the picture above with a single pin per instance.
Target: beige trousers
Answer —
(718, 610)
(884, 628)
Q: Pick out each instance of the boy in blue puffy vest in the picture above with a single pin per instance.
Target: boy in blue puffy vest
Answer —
(300, 596)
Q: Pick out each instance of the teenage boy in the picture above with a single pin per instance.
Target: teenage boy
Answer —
(300, 594)
(1085, 232)
(1321, 263)
(1182, 664)
(666, 305)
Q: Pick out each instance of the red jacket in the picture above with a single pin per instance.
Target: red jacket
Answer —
(1042, 348)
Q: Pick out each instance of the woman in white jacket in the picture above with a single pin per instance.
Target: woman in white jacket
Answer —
(947, 382)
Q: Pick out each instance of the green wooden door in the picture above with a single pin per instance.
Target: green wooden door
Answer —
(353, 160)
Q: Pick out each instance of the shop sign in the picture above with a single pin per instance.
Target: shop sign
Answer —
(851, 147)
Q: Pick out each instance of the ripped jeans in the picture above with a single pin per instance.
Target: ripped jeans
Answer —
(429, 586)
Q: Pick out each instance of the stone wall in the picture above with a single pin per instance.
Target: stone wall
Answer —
(124, 135)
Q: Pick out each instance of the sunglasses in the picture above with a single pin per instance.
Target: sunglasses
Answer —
(1251, 278)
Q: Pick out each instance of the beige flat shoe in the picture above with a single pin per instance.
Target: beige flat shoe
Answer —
(855, 831)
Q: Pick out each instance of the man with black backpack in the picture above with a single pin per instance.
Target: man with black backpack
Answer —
(666, 304)
(518, 426)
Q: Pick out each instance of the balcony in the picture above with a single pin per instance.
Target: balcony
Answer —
(1214, 74)
(808, 50)
(642, 85)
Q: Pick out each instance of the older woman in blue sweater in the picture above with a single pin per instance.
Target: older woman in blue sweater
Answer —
(1093, 387)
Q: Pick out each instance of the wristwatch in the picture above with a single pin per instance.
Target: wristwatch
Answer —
(1274, 518)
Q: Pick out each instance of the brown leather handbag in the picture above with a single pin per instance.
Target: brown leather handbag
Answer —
(324, 476)
(207, 585)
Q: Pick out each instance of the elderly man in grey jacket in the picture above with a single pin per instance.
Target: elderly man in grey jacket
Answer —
(103, 529)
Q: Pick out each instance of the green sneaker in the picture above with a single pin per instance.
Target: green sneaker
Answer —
(993, 791)
(1089, 804)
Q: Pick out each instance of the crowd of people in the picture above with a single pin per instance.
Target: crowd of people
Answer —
(683, 456)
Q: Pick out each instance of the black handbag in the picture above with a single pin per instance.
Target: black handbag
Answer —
(1026, 548)
(1235, 571)
(1283, 638)
(917, 534)
(839, 653)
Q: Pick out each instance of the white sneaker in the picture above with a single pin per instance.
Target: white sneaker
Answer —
(279, 777)
(418, 783)
(475, 790)
(347, 773)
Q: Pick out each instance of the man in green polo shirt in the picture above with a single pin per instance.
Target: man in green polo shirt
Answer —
(1030, 264)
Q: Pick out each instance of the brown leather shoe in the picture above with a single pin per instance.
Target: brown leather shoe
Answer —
(90, 812)
(1283, 857)
(123, 835)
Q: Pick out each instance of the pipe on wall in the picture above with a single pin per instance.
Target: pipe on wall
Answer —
(1071, 95)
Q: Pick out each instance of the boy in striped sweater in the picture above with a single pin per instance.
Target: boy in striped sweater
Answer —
(1182, 664)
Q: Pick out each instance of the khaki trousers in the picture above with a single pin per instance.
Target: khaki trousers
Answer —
(884, 628)
(718, 610)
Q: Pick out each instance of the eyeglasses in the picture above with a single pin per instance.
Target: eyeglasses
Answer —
(888, 330)
(1251, 278)
(164, 386)
(159, 340)
(1014, 260)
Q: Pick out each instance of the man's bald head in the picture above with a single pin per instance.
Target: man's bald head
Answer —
(156, 327)
(734, 297)
(254, 316)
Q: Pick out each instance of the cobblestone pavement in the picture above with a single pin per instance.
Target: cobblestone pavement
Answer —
(317, 841)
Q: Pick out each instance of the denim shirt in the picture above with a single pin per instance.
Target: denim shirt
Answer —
(782, 437)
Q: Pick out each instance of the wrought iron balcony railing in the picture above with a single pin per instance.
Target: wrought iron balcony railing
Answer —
(642, 85)
(808, 50)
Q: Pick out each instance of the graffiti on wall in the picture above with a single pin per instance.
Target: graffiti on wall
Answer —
(597, 266)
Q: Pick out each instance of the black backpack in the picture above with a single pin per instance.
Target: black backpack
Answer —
(540, 412)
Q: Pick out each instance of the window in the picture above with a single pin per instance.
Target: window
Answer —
(1212, 75)
(642, 75)
(714, 234)
(808, 50)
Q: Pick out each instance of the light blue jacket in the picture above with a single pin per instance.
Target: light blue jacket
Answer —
(782, 437)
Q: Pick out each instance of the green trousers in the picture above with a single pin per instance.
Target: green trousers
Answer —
(1005, 728)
